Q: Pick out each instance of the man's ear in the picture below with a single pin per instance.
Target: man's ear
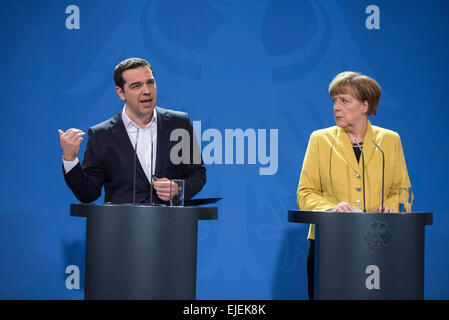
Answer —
(120, 93)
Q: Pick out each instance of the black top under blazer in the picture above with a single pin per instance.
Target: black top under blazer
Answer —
(109, 159)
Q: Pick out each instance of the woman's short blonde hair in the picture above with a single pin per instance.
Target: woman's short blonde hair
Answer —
(360, 86)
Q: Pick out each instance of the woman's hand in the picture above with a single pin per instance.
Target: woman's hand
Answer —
(343, 207)
(386, 209)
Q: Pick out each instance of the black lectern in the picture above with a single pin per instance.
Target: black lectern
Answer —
(141, 252)
(367, 255)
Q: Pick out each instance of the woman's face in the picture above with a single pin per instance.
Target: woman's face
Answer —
(348, 110)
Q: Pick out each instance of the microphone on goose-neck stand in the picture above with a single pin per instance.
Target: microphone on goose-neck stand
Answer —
(363, 173)
(383, 173)
(151, 171)
(135, 166)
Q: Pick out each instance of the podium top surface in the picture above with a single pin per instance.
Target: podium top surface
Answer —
(318, 217)
(89, 210)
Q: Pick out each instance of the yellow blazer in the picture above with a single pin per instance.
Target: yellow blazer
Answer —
(331, 173)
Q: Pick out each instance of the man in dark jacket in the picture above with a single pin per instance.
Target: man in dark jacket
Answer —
(142, 128)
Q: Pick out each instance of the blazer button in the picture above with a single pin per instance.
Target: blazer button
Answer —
(357, 176)
(358, 203)
(358, 189)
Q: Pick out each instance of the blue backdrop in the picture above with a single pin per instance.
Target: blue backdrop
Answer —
(260, 64)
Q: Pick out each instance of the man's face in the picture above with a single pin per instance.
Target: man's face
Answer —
(139, 92)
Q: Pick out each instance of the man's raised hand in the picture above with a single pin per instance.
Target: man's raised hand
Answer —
(70, 143)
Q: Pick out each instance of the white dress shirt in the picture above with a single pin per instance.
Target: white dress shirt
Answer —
(146, 138)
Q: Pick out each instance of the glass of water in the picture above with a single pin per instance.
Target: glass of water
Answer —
(405, 199)
(177, 193)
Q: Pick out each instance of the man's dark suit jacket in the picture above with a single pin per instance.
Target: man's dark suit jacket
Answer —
(109, 160)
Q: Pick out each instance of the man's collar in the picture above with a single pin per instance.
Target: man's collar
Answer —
(131, 124)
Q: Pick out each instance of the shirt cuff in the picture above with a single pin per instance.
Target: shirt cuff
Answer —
(68, 165)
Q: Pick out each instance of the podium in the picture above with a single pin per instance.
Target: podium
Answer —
(367, 255)
(141, 252)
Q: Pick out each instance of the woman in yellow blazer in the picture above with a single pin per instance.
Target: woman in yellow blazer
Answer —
(332, 177)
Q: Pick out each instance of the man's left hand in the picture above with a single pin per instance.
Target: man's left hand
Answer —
(162, 187)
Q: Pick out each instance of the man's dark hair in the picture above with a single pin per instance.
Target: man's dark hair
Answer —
(131, 63)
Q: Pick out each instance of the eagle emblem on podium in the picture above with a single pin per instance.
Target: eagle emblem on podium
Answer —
(378, 235)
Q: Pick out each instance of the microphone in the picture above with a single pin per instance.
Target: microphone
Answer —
(383, 173)
(151, 170)
(135, 167)
(363, 173)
